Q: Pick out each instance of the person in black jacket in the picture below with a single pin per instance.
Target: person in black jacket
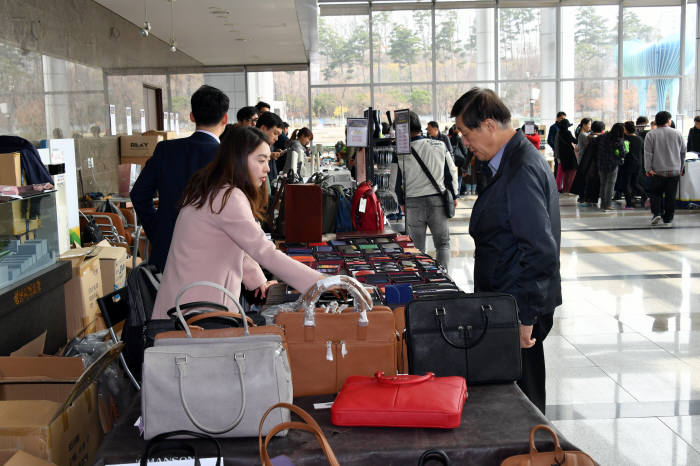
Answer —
(516, 227)
(567, 157)
(611, 155)
(172, 165)
(459, 155)
(633, 164)
(694, 136)
(433, 131)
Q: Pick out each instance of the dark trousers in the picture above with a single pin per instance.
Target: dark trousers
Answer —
(592, 190)
(630, 181)
(663, 196)
(532, 381)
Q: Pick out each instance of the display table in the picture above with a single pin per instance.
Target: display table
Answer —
(495, 424)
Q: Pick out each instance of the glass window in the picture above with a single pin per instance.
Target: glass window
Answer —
(285, 91)
(529, 101)
(127, 91)
(22, 111)
(464, 45)
(687, 100)
(648, 96)
(331, 106)
(62, 75)
(527, 43)
(447, 95)
(651, 44)
(182, 86)
(343, 56)
(590, 99)
(589, 41)
(417, 98)
(402, 44)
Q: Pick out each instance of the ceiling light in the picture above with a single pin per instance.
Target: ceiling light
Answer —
(146, 29)
(173, 46)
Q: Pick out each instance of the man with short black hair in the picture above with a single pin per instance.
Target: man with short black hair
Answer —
(247, 116)
(694, 136)
(173, 163)
(516, 227)
(281, 145)
(433, 131)
(271, 124)
(552, 138)
(262, 107)
(664, 154)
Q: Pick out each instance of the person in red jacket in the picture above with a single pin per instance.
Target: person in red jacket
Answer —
(533, 137)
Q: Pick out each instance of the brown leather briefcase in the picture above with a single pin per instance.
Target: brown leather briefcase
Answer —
(303, 213)
(548, 458)
(327, 347)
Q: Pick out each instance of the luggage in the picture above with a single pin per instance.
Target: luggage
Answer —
(400, 401)
(339, 177)
(325, 347)
(367, 213)
(475, 336)
(303, 213)
(343, 218)
(330, 202)
(217, 386)
(547, 458)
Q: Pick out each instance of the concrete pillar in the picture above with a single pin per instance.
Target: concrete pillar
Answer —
(485, 44)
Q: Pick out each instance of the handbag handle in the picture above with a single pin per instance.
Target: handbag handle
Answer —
(309, 425)
(440, 318)
(557, 447)
(363, 300)
(404, 379)
(181, 363)
(178, 308)
(193, 305)
(225, 314)
(434, 454)
(160, 438)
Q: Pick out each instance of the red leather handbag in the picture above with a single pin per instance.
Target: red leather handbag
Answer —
(400, 401)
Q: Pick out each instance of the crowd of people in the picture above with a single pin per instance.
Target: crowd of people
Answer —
(626, 162)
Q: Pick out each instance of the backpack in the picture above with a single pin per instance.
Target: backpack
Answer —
(343, 219)
(371, 218)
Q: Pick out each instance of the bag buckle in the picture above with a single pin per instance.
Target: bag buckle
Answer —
(486, 308)
(440, 311)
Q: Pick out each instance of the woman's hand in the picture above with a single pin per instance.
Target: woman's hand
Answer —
(261, 292)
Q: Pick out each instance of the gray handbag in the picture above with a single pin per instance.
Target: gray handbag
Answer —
(217, 386)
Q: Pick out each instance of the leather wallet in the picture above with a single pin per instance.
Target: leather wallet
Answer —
(400, 401)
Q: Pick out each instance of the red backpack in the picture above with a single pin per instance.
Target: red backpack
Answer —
(371, 218)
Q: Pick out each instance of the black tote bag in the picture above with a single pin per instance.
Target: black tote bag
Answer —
(475, 336)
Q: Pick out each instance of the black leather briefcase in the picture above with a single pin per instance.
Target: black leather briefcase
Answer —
(476, 336)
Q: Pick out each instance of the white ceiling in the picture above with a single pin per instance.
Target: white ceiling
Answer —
(230, 32)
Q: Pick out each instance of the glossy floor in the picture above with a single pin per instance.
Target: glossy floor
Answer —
(623, 357)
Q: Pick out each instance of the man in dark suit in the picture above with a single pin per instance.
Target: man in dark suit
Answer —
(171, 166)
(515, 225)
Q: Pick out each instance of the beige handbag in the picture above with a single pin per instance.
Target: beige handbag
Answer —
(325, 347)
(557, 457)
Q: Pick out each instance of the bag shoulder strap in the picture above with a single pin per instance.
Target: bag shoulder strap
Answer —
(426, 171)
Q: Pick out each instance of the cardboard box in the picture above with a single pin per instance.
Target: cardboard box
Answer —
(82, 291)
(10, 169)
(21, 458)
(138, 146)
(113, 262)
(167, 135)
(48, 407)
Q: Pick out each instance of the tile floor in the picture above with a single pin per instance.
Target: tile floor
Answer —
(623, 357)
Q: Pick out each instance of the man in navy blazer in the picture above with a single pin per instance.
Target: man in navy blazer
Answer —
(516, 226)
(172, 165)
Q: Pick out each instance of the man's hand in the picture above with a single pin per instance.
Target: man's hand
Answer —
(526, 340)
(275, 155)
(455, 203)
(262, 291)
(651, 173)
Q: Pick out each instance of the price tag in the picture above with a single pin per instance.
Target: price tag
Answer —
(363, 205)
(323, 405)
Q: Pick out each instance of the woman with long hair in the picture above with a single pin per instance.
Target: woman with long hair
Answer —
(217, 236)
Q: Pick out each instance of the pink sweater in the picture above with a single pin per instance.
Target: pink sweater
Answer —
(223, 248)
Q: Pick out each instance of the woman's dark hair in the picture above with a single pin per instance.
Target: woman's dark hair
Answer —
(617, 130)
(306, 132)
(229, 170)
(630, 127)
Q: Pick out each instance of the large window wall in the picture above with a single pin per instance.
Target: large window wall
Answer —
(540, 58)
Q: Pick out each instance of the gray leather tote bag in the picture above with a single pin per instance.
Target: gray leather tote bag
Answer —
(217, 386)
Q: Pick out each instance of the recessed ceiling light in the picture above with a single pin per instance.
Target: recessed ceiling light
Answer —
(241, 39)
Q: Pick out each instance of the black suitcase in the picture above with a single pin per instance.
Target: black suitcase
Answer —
(475, 336)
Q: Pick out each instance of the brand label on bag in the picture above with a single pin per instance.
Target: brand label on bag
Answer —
(323, 405)
(174, 461)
